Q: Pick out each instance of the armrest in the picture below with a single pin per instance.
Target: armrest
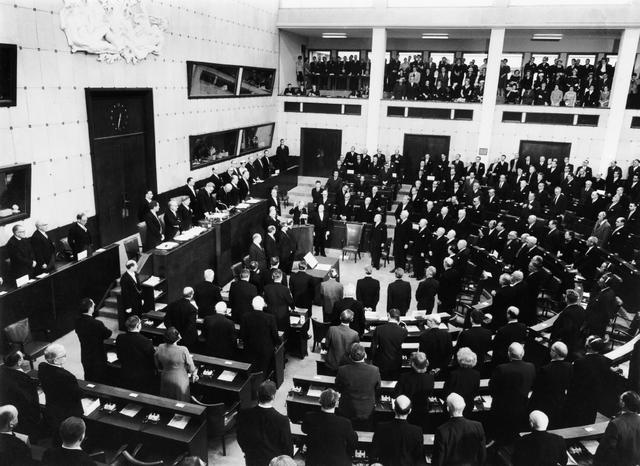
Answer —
(233, 408)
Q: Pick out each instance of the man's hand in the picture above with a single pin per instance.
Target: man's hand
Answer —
(33, 263)
(127, 311)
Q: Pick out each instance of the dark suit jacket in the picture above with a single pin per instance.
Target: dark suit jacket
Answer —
(459, 441)
(20, 255)
(402, 235)
(241, 294)
(172, 224)
(131, 293)
(182, 315)
(540, 449)
(57, 456)
(568, 325)
(21, 391)
(44, 251)
(399, 296)
(465, 381)
(263, 434)
(550, 391)
(426, 293)
(219, 336)
(79, 239)
(259, 333)
(279, 301)
(619, 446)
(418, 387)
(368, 292)
(514, 331)
(510, 385)
(135, 353)
(331, 439)
(206, 295)
(302, 289)
(436, 344)
(62, 391)
(478, 340)
(92, 333)
(154, 231)
(359, 321)
(205, 204)
(398, 443)
(14, 451)
(257, 254)
(386, 348)
(270, 248)
(359, 387)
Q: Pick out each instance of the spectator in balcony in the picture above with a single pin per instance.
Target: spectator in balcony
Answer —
(542, 95)
(570, 97)
(556, 96)
(591, 98)
(300, 71)
(502, 79)
(604, 97)
(313, 92)
(512, 96)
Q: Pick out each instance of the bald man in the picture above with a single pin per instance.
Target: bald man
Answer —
(259, 333)
(43, 248)
(397, 442)
(219, 333)
(459, 440)
(13, 449)
(539, 447)
(207, 294)
(182, 315)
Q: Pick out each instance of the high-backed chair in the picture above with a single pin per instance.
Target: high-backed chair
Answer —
(220, 419)
(320, 330)
(386, 252)
(19, 337)
(130, 458)
(142, 231)
(352, 243)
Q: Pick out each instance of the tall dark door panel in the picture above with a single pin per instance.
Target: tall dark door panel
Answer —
(417, 145)
(319, 151)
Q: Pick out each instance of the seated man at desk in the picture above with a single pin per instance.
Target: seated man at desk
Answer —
(72, 432)
(136, 355)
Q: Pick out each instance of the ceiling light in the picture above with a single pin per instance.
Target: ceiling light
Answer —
(334, 35)
(435, 35)
(545, 36)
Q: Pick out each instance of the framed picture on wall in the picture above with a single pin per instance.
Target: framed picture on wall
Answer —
(8, 67)
(257, 81)
(210, 148)
(15, 193)
(256, 138)
(210, 80)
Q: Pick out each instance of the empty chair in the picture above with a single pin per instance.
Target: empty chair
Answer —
(352, 243)
(19, 337)
(320, 330)
(220, 419)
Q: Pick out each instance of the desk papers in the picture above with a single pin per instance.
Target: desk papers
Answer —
(152, 281)
(111, 356)
(179, 421)
(89, 405)
(314, 391)
(388, 384)
(242, 205)
(42, 398)
(167, 245)
(130, 410)
(252, 201)
(324, 267)
(413, 328)
(227, 376)
(294, 320)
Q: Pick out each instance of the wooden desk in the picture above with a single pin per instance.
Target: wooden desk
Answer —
(51, 303)
(623, 352)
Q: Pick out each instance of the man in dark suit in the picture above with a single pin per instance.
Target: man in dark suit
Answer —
(206, 203)
(219, 333)
(257, 252)
(259, 333)
(241, 293)
(182, 315)
(397, 442)
(449, 286)
(503, 298)
(59, 386)
(189, 190)
(92, 333)
(553, 239)
(302, 287)
(476, 338)
(567, 327)
(72, 433)
(172, 224)
(359, 387)
(539, 447)
(279, 301)
(14, 449)
(44, 251)
(20, 390)
(349, 302)
(401, 239)
(510, 249)
(436, 343)
(286, 247)
(19, 252)
(602, 307)
(331, 439)
(618, 241)
(619, 445)
(79, 237)
(399, 293)
(421, 248)
(509, 386)
(368, 290)
(131, 293)
(264, 433)
(321, 230)
(459, 440)
(512, 331)
(135, 353)
(386, 347)
(378, 240)
(207, 294)
(154, 225)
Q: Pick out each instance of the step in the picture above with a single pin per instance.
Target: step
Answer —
(108, 311)
(116, 291)
(111, 301)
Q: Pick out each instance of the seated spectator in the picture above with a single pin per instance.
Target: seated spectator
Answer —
(72, 431)
(539, 447)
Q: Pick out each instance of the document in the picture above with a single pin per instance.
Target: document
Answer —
(227, 376)
(130, 410)
(167, 245)
(89, 405)
(388, 384)
(310, 260)
(413, 328)
(590, 445)
(42, 398)
(242, 205)
(314, 391)
(179, 421)
(324, 267)
(111, 356)
(42, 275)
(152, 281)
(162, 326)
(252, 201)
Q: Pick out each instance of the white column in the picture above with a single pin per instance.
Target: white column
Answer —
(376, 82)
(490, 90)
(618, 99)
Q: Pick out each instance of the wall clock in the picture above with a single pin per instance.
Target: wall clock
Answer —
(118, 114)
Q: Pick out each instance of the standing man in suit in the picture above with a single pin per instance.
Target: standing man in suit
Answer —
(476, 338)
(20, 253)
(241, 294)
(513, 331)
(386, 347)
(321, 230)
(401, 240)
(264, 433)
(131, 296)
(509, 386)
(79, 237)
(259, 333)
(339, 340)
(257, 252)
(421, 248)
(92, 333)
(205, 201)
(331, 439)
(349, 302)
(207, 294)
(459, 440)
(44, 251)
(449, 286)
(20, 390)
(359, 387)
(172, 224)
(219, 333)
(286, 247)
(378, 240)
(436, 343)
(190, 190)
(279, 300)
(619, 445)
(135, 353)
(539, 447)
(331, 291)
(427, 291)
(368, 290)
(182, 315)
(397, 442)
(154, 227)
(302, 287)
(602, 229)
(399, 293)
(60, 387)
(567, 328)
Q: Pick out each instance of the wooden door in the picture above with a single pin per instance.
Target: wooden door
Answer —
(319, 151)
(417, 145)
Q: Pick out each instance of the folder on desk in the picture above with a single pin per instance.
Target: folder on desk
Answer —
(413, 328)
(152, 281)
(324, 267)
(314, 391)
(42, 275)
(242, 205)
(252, 201)
(111, 356)
(227, 376)
(179, 421)
(131, 410)
(89, 405)
(162, 326)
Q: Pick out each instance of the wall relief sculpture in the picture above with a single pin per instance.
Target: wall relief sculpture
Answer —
(112, 29)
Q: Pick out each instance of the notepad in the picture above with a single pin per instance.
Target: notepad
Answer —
(82, 255)
(99, 250)
(388, 384)
(111, 356)
(314, 391)
(590, 445)
(162, 325)
(323, 266)
(89, 405)
(412, 328)
(130, 410)
(227, 376)
(167, 245)
(152, 281)
(21, 281)
(179, 421)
